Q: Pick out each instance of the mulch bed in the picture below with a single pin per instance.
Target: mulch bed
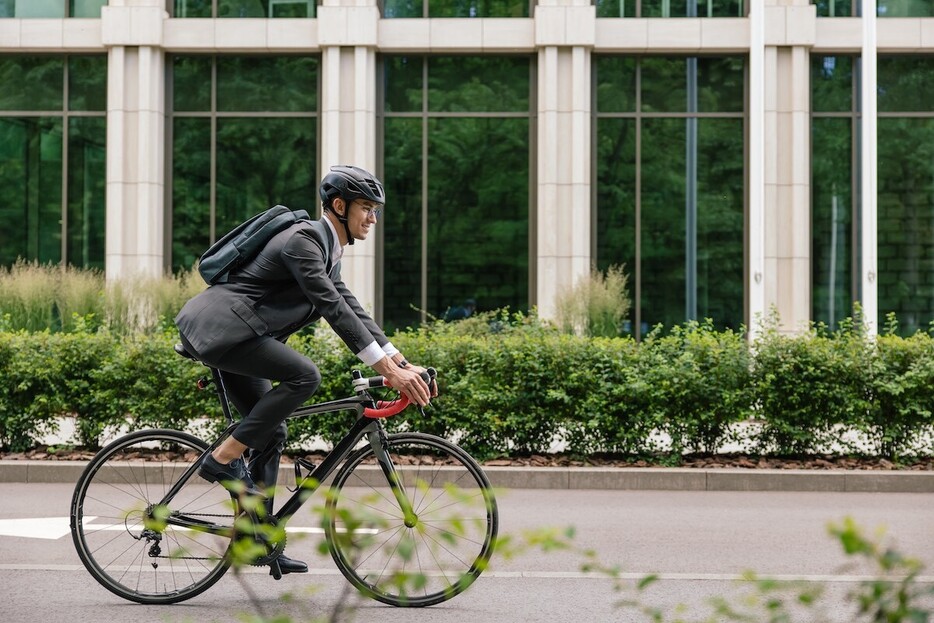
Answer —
(699, 461)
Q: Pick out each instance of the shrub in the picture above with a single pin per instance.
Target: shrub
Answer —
(808, 388)
(900, 417)
(698, 384)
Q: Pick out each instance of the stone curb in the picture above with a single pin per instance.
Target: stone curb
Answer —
(606, 478)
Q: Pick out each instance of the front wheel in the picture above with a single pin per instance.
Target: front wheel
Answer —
(424, 557)
(137, 547)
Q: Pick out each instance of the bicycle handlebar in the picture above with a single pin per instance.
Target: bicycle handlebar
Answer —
(386, 408)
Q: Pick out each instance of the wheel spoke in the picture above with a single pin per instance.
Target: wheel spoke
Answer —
(121, 534)
(450, 537)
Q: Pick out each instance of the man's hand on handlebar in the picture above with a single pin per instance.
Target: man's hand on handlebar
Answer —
(407, 380)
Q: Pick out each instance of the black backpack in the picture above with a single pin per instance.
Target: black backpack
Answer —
(244, 241)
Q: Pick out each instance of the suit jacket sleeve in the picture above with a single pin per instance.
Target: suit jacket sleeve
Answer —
(305, 257)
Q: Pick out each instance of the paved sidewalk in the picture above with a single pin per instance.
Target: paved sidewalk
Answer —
(633, 478)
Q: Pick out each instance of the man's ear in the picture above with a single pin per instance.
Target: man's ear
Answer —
(338, 205)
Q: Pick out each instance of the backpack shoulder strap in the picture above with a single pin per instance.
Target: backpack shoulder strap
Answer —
(244, 241)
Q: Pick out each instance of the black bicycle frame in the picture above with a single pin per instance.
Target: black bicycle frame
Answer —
(362, 427)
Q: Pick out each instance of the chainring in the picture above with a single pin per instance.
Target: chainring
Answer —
(273, 550)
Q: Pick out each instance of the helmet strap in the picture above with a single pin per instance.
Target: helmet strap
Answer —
(343, 219)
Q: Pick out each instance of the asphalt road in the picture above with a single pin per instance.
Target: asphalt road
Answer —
(698, 542)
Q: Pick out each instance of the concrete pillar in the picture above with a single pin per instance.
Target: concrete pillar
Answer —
(348, 36)
(132, 32)
(787, 192)
(564, 32)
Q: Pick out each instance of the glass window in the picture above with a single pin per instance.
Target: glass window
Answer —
(255, 147)
(904, 8)
(670, 185)
(905, 235)
(475, 84)
(905, 232)
(52, 160)
(455, 8)
(671, 8)
(87, 83)
(715, 85)
(904, 84)
(87, 156)
(834, 171)
(243, 8)
(832, 83)
(267, 84)
(51, 8)
(38, 79)
(457, 185)
(836, 8)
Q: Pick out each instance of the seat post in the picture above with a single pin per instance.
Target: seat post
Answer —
(222, 394)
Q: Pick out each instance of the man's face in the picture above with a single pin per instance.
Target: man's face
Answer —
(362, 216)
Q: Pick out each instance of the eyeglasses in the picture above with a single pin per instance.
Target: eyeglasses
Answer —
(374, 212)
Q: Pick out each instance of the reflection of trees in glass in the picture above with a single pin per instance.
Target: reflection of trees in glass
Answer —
(403, 80)
(905, 84)
(263, 162)
(477, 156)
(904, 8)
(260, 159)
(192, 8)
(87, 153)
(905, 232)
(191, 83)
(832, 260)
(831, 83)
(834, 8)
(478, 84)
(191, 190)
(719, 84)
(720, 221)
(456, 8)
(402, 223)
(32, 152)
(663, 202)
(671, 8)
(831, 219)
(87, 83)
(38, 81)
(267, 83)
(478, 207)
(616, 194)
(30, 189)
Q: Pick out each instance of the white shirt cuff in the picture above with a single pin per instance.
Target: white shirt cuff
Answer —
(371, 354)
(389, 349)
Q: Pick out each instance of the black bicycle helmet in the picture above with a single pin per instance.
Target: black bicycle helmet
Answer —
(349, 183)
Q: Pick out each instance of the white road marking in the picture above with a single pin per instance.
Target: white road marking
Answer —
(53, 528)
(548, 575)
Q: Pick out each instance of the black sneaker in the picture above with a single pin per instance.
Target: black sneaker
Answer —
(234, 475)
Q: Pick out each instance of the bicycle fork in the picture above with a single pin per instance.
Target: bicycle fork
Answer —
(379, 442)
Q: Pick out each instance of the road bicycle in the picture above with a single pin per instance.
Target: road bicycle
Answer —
(410, 519)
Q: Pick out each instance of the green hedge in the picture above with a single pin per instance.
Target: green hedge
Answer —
(512, 385)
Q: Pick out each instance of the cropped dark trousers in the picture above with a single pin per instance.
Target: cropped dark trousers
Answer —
(248, 371)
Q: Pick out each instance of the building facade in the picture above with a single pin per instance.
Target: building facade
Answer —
(734, 156)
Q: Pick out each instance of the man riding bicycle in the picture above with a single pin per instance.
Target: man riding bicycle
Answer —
(241, 328)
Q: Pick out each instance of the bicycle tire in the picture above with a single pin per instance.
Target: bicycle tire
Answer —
(140, 559)
(442, 552)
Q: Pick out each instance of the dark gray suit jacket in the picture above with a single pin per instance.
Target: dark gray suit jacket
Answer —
(289, 285)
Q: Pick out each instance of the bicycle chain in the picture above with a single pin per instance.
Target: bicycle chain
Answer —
(261, 561)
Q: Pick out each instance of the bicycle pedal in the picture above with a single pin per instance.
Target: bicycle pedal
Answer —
(274, 570)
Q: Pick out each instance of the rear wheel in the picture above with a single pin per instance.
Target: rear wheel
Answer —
(134, 546)
(431, 555)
